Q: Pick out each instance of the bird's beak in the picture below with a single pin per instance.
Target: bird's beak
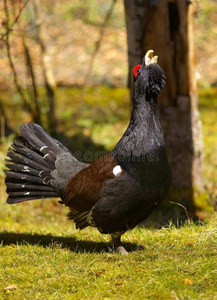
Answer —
(149, 58)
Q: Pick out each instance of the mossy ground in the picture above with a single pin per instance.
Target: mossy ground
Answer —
(43, 257)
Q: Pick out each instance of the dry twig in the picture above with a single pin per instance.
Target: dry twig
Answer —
(6, 40)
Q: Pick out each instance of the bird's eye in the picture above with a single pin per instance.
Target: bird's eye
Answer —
(137, 70)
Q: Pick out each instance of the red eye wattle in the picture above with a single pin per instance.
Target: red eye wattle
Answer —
(135, 70)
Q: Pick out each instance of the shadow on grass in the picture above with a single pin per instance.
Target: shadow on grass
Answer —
(71, 243)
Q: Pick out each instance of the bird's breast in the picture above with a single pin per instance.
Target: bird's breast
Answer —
(150, 169)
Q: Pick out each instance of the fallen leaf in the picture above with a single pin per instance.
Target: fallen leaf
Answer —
(189, 244)
(100, 273)
(188, 281)
(141, 270)
(11, 287)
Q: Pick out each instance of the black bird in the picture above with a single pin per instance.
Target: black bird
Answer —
(117, 191)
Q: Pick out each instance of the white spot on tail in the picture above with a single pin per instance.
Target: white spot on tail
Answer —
(26, 169)
(46, 155)
(48, 181)
(43, 147)
(40, 173)
(117, 170)
(26, 194)
(23, 186)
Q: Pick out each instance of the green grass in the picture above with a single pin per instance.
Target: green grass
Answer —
(43, 257)
(52, 261)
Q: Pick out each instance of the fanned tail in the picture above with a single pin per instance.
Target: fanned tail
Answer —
(31, 160)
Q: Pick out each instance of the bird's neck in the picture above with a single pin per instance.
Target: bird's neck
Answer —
(144, 133)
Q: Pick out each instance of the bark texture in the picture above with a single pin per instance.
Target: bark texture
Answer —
(167, 28)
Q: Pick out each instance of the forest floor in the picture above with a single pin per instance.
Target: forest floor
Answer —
(43, 257)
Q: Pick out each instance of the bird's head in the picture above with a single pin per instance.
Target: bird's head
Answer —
(149, 78)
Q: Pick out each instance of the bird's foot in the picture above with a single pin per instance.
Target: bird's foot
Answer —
(121, 250)
(116, 239)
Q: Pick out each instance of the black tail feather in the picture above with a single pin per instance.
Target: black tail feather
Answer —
(22, 177)
(18, 158)
(29, 153)
(41, 140)
(23, 168)
(32, 193)
(28, 186)
(19, 199)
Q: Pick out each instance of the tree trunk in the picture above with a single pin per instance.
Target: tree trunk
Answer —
(167, 28)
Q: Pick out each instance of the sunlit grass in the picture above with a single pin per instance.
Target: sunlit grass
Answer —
(61, 264)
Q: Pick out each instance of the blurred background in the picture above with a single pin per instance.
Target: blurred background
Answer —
(64, 64)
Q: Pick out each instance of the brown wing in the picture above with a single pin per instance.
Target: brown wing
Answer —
(82, 191)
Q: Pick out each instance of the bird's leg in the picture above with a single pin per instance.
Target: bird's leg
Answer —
(116, 240)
